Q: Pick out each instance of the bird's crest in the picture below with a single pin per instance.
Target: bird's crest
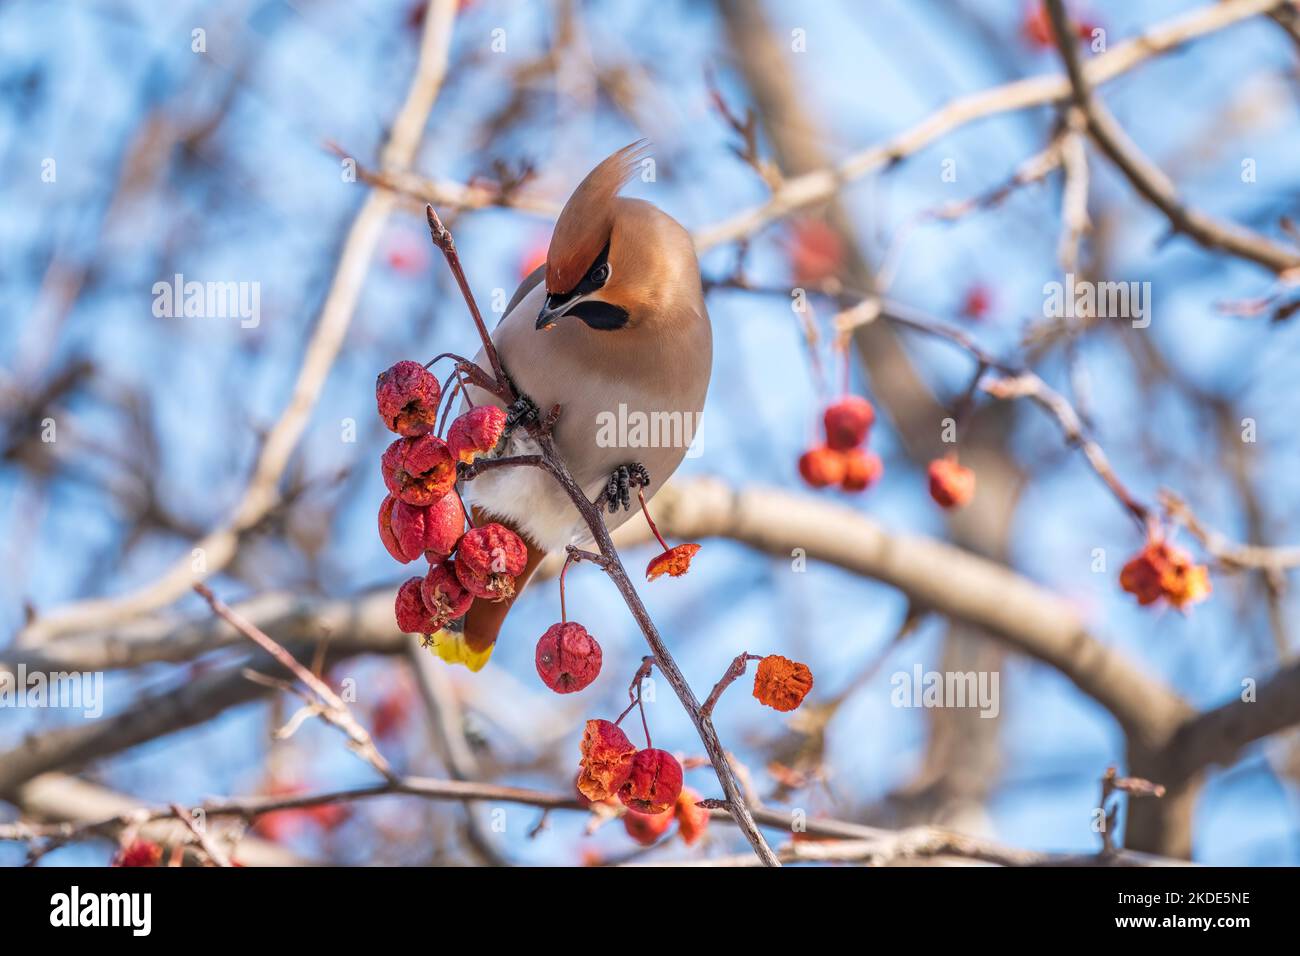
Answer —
(587, 219)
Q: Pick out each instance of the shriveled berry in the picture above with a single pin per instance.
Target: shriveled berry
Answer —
(386, 533)
(822, 466)
(420, 470)
(674, 562)
(408, 395)
(476, 432)
(781, 683)
(443, 594)
(568, 658)
(1162, 570)
(951, 484)
(409, 531)
(488, 559)
(848, 421)
(862, 469)
(606, 760)
(432, 530)
(647, 828)
(654, 783)
(413, 615)
(692, 821)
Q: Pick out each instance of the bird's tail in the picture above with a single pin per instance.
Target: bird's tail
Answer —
(473, 645)
(451, 646)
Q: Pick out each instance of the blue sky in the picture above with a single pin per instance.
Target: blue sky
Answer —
(262, 201)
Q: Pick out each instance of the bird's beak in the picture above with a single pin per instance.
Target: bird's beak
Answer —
(557, 306)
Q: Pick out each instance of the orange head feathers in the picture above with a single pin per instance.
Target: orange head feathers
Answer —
(617, 263)
(585, 224)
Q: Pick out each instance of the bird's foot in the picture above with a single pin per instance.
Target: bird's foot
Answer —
(618, 491)
(523, 411)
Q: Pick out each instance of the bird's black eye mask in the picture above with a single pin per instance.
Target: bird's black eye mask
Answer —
(603, 316)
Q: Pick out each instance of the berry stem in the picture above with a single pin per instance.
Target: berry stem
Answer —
(568, 560)
(634, 696)
(734, 672)
(449, 395)
(640, 494)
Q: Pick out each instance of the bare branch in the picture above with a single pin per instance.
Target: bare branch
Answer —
(1147, 178)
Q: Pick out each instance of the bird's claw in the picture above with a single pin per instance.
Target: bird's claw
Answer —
(618, 491)
(523, 411)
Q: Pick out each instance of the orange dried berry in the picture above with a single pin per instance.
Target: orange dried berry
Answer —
(1142, 574)
(781, 683)
(848, 422)
(692, 820)
(647, 828)
(476, 432)
(654, 784)
(951, 484)
(443, 595)
(822, 467)
(1162, 570)
(606, 760)
(862, 469)
(674, 562)
(408, 395)
(567, 658)
(419, 470)
(488, 559)
(1187, 584)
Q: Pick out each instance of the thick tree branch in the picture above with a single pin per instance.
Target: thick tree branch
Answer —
(934, 574)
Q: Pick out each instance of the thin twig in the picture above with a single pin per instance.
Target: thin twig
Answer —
(214, 852)
(333, 709)
(734, 672)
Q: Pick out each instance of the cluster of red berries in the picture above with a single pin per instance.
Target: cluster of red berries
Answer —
(647, 782)
(843, 460)
(691, 819)
(423, 515)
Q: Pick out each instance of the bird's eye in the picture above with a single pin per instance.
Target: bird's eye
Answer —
(600, 274)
